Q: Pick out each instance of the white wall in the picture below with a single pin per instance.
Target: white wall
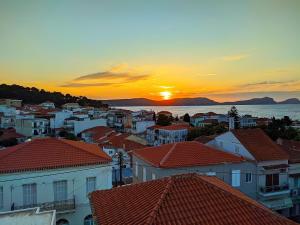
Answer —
(58, 120)
(86, 124)
(229, 143)
(141, 126)
(76, 177)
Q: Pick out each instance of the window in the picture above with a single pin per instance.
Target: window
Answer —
(144, 174)
(88, 220)
(211, 173)
(62, 222)
(237, 149)
(236, 178)
(90, 184)
(60, 190)
(136, 169)
(272, 180)
(1, 197)
(248, 177)
(29, 194)
(153, 176)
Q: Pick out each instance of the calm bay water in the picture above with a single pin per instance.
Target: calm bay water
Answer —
(291, 110)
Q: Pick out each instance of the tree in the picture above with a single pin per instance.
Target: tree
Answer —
(154, 116)
(186, 118)
(233, 112)
(163, 120)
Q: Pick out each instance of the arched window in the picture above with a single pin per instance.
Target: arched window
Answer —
(62, 222)
(88, 220)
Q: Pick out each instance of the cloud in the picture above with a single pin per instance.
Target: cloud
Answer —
(208, 75)
(115, 75)
(267, 83)
(237, 57)
(86, 85)
(101, 75)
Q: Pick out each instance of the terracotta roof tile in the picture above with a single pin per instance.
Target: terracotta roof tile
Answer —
(184, 154)
(10, 133)
(292, 148)
(120, 140)
(175, 127)
(50, 153)
(181, 199)
(261, 147)
(99, 132)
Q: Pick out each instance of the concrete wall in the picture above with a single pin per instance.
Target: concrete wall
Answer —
(76, 178)
(223, 171)
(86, 124)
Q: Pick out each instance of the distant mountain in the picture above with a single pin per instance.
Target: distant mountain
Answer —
(290, 101)
(148, 102)
(195, 102)
(253, 101)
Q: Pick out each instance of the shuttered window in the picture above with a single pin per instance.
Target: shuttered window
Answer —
(60, 190)
(236, 178)
(29, 194)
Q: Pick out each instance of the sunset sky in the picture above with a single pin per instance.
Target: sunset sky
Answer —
(107, 49)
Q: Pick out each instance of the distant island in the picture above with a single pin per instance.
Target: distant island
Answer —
(195, 102)
(32, 95)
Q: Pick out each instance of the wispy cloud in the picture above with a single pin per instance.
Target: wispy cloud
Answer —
(267, 83)
(237, 57)
(208, 75)
(85, 85)
(113, 76)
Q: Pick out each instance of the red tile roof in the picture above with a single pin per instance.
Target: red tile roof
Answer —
(205, 139)
(185, 154)
(175, 127)
(120, 141)
(292, 148)
(261, 147)
(10, 133)
(50, 153)
(99, 132)
(181, 199)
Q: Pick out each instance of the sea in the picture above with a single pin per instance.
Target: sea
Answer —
(278, 111)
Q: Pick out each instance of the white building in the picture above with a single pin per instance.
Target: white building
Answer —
(158, 135)
(271, 165)
(248, 121)
(78, 123)
(47, 105)
(53, 174)
(58, 119)
(7, 116)
(31, 216)
(141, 126)
(198, 118)
(32, 127)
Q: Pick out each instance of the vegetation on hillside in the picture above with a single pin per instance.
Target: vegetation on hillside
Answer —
(32, 95)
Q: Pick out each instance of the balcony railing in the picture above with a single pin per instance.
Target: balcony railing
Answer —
(64, 205)
(274, 188)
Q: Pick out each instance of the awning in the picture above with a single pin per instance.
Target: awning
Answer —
(278, 203)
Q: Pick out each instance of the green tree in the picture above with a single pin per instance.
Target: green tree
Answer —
(233, 112)
(163, 120)
(186, 118)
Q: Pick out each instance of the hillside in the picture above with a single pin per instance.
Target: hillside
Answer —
(32, 95)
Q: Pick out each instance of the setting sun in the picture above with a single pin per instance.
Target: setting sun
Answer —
(166, 94)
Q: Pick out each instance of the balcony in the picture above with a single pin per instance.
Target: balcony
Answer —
(59, 206)
(267, 191)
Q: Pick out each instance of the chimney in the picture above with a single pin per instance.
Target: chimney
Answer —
(231, 123)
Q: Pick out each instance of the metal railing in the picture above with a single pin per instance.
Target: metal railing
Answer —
(274, 188)
(63, 205)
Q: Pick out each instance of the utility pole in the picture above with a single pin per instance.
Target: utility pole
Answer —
(121, 162)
